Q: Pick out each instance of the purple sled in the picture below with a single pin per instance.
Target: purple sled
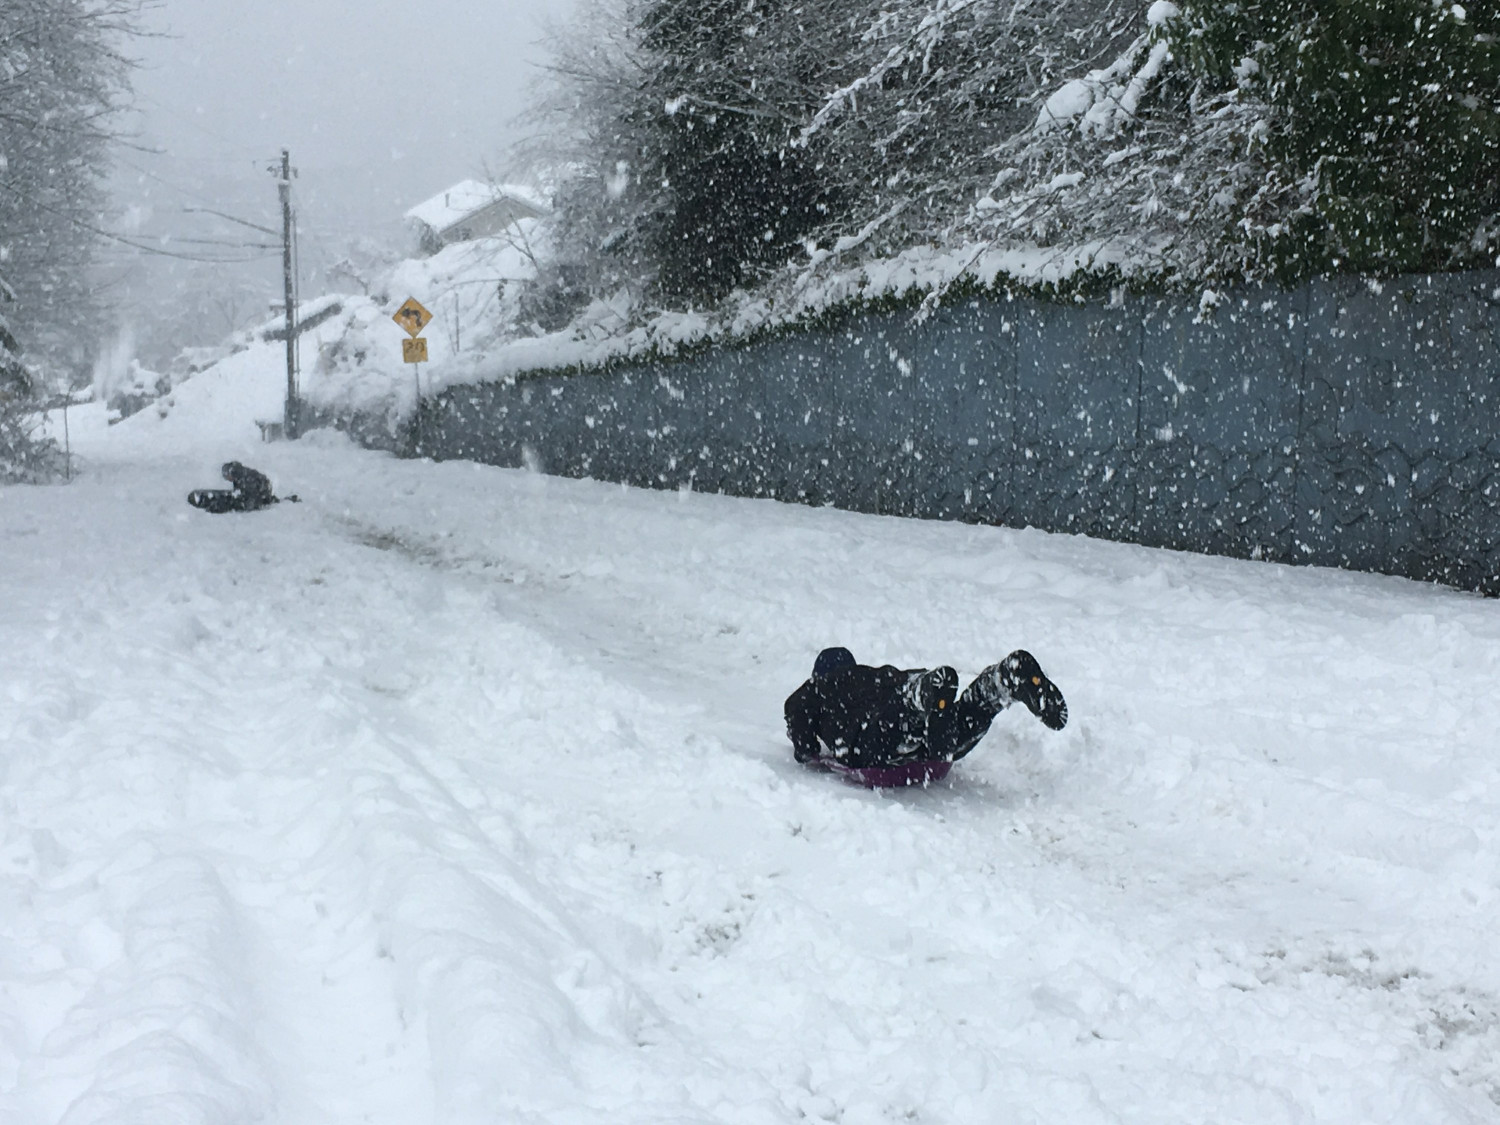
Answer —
(886, 777)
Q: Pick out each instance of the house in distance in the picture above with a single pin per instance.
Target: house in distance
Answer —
(471, 209)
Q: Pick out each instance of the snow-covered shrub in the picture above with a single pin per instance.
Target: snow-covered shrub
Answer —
(26, 454)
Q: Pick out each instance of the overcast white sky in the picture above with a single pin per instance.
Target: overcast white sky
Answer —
(382, 102)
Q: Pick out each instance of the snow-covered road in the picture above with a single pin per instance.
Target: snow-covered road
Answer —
(456, 794)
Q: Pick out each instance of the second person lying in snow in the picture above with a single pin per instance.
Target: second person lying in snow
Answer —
(875, 723)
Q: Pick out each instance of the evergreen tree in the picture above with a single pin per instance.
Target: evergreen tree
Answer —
(1383, 122)
(675, 125)
(725, 94)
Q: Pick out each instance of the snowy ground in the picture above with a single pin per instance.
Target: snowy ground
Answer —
(456, 794)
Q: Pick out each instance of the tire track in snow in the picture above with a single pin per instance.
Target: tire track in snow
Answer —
(476, 974)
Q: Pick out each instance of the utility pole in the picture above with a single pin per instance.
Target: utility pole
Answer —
(289, 285)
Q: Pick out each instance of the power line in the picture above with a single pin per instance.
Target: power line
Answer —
(232, 219)
(187, 193)
(102, 233)
(193, 123)
(226, 242)
(206, 210)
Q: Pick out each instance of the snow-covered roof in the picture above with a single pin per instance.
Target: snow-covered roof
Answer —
(466, 198)
(313, 309)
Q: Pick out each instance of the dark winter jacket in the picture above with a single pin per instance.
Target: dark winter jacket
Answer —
(865, 717)
(252, 489)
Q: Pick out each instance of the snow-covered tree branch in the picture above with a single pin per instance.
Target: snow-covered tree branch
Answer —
(765, 145)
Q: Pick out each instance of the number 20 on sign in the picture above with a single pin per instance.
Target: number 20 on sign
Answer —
(414, 350)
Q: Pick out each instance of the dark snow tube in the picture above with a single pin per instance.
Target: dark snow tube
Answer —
(216, 500)
(887, 777)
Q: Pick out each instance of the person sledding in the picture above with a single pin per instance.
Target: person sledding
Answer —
(891, 726)
(248, 491)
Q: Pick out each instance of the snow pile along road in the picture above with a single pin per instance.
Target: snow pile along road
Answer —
(456, 794)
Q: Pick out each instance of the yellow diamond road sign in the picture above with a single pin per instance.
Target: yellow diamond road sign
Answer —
(412, 317)
(414, 350)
